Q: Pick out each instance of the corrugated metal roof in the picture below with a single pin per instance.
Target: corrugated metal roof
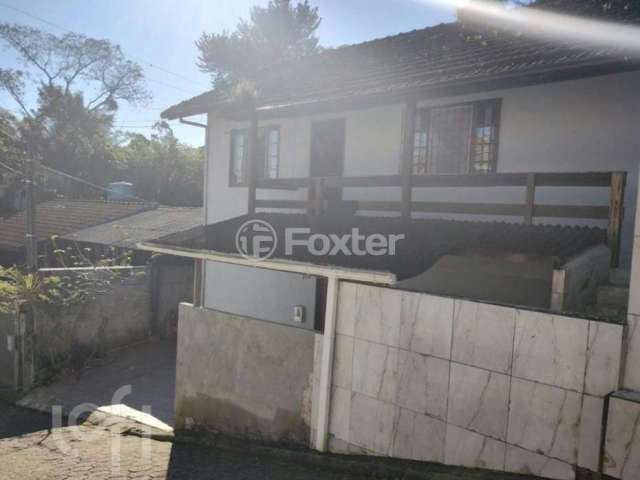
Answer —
(140, 227)
(60, 217)
(425, 240)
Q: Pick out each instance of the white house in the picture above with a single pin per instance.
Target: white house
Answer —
(511, 166)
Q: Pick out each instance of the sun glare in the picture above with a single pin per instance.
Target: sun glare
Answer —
(547, 25)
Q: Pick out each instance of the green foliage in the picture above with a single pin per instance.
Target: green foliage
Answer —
(79, 82)
(72, 138)
(11, 145)
(161, 168)
(280, 31)
(19, 290)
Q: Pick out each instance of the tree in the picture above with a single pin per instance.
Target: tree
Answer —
(161, 168)
(69, 137)
(11, 144)
(64, 61)
(280, 31)
(79, 82)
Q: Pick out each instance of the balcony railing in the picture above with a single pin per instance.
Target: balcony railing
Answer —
(317, 202)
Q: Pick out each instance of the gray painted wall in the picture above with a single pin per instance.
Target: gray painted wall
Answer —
(259, 293)
(243, 377)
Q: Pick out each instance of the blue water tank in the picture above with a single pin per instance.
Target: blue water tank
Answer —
(120, 191)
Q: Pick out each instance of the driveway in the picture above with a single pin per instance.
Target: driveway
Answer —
(101, 450)
(30, 451)
(141, 376)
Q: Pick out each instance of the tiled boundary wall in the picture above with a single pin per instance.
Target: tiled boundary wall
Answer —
(431, 378)
(623, 425)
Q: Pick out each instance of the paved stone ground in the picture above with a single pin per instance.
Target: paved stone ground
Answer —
(150, 369)
(31, 450)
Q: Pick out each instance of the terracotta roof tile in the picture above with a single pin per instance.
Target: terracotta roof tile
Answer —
(445, 56)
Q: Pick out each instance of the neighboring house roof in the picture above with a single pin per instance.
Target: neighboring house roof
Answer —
(426, 240)
(442, 60)
(60, 217)
(140, 227)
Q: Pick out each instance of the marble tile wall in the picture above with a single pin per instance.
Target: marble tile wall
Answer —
(622, 448)
(431, 378)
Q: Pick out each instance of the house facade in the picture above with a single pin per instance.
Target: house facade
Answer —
(509, 166)
(580, 125)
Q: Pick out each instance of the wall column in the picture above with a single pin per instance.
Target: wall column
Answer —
(630, 378)
(251, 159)
(407, 156)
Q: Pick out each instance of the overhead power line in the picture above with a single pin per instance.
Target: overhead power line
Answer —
(138, 59)
(85, 182)
(64, 174)
(11, 169)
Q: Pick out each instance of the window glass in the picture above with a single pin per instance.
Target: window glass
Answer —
(272, 153)
(238, 157)
(457, 140)
(267, 159)
(449, 139)
(484, 152)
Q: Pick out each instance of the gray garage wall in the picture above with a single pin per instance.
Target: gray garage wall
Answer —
(259, 293)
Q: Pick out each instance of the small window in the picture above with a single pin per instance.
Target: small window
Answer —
(238, 164)
(269, 143)
(268, 155)
(458, 139)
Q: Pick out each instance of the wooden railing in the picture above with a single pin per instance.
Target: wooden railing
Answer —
(316, 202)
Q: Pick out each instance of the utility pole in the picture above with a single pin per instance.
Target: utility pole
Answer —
(31, 242)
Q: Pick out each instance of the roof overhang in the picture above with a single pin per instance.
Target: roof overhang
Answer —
(291, 266)
(293, 106)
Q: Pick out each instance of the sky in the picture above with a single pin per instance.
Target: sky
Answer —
(160, 35)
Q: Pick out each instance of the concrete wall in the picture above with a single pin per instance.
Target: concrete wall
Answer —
(581, 125)
(431, 378)
(7, 357)
(118, 316)
(174, 284)
(509, 279)
(243, 377)
(575, 284)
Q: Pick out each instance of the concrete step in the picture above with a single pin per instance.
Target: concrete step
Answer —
(620, 277)
(613, 295)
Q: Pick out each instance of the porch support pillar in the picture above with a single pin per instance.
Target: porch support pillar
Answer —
(198, 272)
(326, 363)
(407, 157)
(616, 215)
(530, 199)
(252, 155)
